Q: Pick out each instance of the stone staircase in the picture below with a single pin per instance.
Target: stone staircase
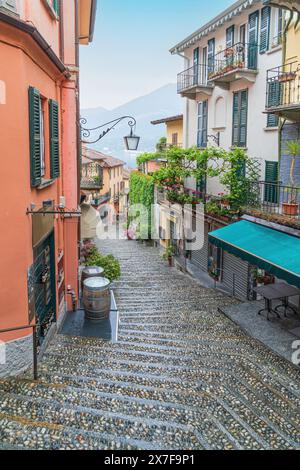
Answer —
(181, 376)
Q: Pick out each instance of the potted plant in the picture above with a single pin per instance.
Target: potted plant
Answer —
(287, 76)
(292, 206)
(168, 255)
(229, 52)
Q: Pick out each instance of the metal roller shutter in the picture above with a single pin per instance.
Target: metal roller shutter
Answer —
(200, 257)
(235, 271)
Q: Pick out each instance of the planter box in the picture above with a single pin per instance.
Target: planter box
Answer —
(290, 208)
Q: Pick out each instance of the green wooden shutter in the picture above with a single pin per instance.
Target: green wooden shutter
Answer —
(54, 139)
(253, 40)
(35, 137)
(271, 176)
(211, 55)
(202, 124)
(274, 99)
(243, 118)
(265, 29)
(55, 4)
(272, 120)
(240, 118)
(235, 120)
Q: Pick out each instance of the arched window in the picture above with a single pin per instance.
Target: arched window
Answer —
(220, 113)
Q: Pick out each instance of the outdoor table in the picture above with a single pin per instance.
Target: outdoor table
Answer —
(275, 292)
(286, 291)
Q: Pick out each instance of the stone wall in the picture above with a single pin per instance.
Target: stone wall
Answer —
(18, 357)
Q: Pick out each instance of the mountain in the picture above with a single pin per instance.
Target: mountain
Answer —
(156, 105)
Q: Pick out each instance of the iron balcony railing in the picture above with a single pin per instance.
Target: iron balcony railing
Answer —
(240, 56)
(273, 198)
(192, 77)
(91, 183)
(283, 86)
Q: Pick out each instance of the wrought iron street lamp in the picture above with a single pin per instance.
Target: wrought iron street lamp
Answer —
(131, 141)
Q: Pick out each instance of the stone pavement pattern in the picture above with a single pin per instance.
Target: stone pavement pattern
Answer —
(182, 376)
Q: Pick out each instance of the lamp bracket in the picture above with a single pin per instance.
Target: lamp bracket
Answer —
(86, 132)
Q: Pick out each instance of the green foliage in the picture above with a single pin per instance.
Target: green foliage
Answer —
(169, 253)
(142, 192)
(161, 145)
(181, 198)
(293, 147)
(97, 179)
(235, 178)
(146, 157)
(141, 189)
(110, 264)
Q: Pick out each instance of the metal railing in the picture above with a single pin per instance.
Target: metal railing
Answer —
(273, 198)
(34, 344)
(283, 86)
(91, 183)
(192, 77)
(240, 56)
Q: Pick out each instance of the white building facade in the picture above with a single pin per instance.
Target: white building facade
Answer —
(224, 83)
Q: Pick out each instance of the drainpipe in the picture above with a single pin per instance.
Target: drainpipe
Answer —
(78, 129)
(61, 32)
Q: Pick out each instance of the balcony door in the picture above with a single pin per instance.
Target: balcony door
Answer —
(253, 40)
(242, 45)
(229, 45)
(230, 37)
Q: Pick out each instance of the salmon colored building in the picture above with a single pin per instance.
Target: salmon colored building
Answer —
(40, 145)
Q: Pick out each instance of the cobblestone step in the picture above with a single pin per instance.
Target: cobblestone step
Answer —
(170, 435)
(182, 376)
(34, 435)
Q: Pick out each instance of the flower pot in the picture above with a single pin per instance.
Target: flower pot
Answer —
(290, 208)
(287, 77)
(170, 260)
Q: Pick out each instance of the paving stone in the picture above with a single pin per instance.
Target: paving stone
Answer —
(182, 376)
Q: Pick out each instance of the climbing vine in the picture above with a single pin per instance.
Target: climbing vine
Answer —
(142, 192)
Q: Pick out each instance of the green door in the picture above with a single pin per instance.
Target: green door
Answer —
(253, 40)
(45, 290)
(271, 183)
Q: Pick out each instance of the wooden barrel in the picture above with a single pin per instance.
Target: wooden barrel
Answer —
(96, 299)
(91, 271)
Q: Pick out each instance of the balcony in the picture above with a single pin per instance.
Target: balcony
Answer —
(283, 91)
(274, 202)
(193, 81)
(233, 63)
(91, 183)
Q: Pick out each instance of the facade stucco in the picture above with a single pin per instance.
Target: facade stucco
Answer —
(262, 142)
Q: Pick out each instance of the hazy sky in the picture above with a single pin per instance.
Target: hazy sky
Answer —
(129, 56)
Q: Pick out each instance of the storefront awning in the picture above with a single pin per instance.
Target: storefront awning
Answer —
(268, 249)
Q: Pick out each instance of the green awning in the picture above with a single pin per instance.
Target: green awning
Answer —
(268, 249)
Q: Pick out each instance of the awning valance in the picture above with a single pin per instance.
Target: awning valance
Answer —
(268, 249)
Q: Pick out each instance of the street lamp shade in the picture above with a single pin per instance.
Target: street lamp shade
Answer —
(132, 141)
